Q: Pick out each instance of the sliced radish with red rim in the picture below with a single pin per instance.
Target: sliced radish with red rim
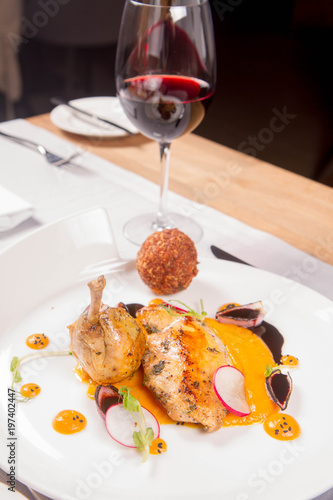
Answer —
(228, 383)
(120, 424)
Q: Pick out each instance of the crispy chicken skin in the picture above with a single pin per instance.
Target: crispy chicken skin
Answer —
(107, 341)
(182, 354)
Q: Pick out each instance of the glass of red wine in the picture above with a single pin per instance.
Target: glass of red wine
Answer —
(165, 78)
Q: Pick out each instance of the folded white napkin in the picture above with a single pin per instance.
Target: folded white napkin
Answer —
(13, 210)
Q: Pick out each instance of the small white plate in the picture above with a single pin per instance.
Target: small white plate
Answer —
(108, 108)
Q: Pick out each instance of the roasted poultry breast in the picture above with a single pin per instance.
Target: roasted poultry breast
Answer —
(182, 354)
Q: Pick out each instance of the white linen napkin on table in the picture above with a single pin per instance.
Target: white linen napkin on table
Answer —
(13, 210)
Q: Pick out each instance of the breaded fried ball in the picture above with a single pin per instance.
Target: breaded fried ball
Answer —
(167, 261)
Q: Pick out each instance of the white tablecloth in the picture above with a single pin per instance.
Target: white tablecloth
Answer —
(57, 192)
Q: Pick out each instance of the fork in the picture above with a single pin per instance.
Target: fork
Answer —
(50, 157)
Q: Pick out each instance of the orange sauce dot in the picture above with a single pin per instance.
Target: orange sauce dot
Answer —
(69, 422)
(289, 360)
(30, 390)
(158, 446)
(156, 302)
(37, 341)
(281, 426)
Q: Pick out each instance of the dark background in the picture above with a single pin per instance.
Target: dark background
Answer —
(273, 57)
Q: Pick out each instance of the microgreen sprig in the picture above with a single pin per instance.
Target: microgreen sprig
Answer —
(16, 362)
(176, 311)
(271, 369)
(142, 438)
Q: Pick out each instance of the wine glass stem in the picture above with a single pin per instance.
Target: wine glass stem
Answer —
(161, 220)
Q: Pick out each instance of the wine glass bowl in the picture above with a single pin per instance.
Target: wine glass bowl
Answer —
(165, 78)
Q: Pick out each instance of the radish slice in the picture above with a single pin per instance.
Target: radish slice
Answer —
(228, 383)
(120, 424)
(176, 308)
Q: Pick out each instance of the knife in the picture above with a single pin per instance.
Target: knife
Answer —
(222, 254)
(58, 101)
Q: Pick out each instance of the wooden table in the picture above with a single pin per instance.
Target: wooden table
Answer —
(291, 207)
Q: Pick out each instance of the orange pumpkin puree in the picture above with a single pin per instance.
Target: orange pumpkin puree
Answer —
(281, 426)
(145, 396)
(37, 341)
(82, 375)
(250, 355)
(247, 352)
(69, 422)
(30, 390)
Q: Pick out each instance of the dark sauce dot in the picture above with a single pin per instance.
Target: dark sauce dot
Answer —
(281, 387)
(132, 309)
(272, 338)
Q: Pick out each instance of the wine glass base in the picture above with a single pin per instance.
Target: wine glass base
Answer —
(138, 229)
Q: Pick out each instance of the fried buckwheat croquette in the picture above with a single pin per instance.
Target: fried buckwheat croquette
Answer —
(167, 261)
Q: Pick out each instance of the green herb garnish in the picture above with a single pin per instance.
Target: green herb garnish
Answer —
(16, 362)
(189, 311)
(270, 369)
(142, 438)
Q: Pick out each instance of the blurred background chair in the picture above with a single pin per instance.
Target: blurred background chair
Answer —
(10, 73)
(275, 55)
(69, 47)
(271, 56)
(75, 23)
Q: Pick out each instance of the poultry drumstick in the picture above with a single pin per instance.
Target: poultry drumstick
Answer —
(107, 341)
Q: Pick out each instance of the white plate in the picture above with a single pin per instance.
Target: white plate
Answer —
(43, 282)
(104, 107)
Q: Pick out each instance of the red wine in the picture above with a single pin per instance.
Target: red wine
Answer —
(164, 107)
